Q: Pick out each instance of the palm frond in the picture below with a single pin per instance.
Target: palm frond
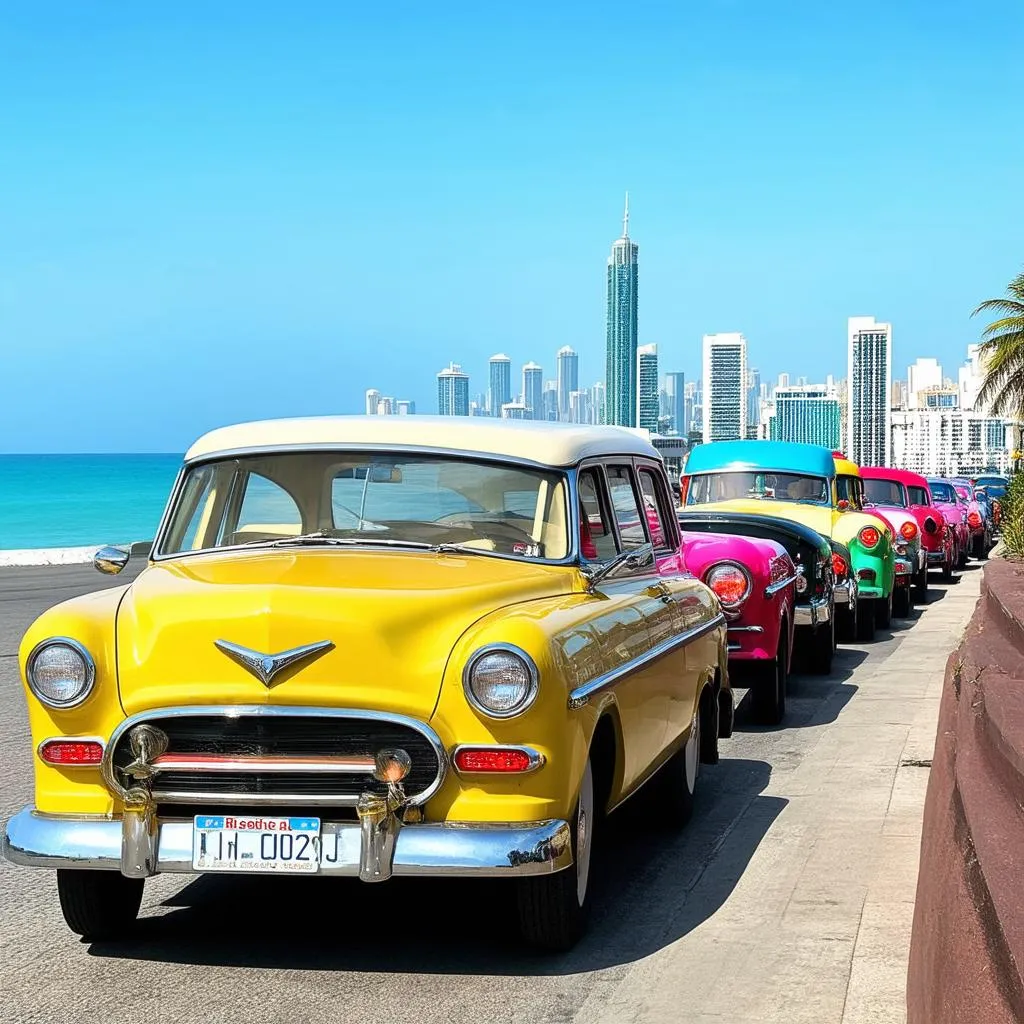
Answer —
(1010, 307)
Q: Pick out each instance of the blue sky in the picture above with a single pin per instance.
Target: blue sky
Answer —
(221, 212)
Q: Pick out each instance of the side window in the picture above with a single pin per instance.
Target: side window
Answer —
(627, 513)
(597, 538)
(654, 509)
(267, 509)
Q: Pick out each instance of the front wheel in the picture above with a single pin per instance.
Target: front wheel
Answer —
(921, 585)
(99, 905)
(883, 611)
(822, 647)
(980, 548)
(847, 626)
(949, 565)
(901, 601)
(553, 909)
(865, 621)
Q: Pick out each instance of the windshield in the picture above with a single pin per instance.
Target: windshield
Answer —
(372, 498)
(942, 492)
(885, 492)
(725, 486)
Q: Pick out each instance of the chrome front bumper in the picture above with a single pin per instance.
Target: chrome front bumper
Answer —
(453, 848)
(817, 610)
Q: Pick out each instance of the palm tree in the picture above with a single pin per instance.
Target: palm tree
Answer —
(1002, 356)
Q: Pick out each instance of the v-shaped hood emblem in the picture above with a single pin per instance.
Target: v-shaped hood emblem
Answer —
(265, 666)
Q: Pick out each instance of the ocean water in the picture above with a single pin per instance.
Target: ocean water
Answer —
(58, 501)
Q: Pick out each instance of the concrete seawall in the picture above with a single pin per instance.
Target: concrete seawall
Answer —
(967, 943)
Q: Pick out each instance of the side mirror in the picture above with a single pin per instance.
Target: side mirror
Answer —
(110, 560)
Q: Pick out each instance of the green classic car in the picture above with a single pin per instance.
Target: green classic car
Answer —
(798, 482)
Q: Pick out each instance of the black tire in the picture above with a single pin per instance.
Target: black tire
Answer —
(846, 623)
(771, 685)
(980, 551)
(962, 556)
(948, 566)
(552, 912)
(901, 602)
(99, 905)
(921, 586)
(865, 621)
(674, 788)
(883, 610)
(821, 647)
(726, 713)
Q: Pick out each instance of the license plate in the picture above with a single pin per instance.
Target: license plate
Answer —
(257, 844)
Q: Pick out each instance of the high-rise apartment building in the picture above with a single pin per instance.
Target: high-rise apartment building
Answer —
(724, 387)
(580, 408)
(549, 401)
(949, 442)
(406, 407)
(648, 405)
(925, 375)
(372, 398)
(621, 332)
(783, 380)
(753, 397)
(514, 411)
(453, 391)
(568, 372)
(869, 423)
(598, 405)
(385, 406)
(500, 383)
(693, 410)
(533, 391)
(675, 406)
(808, 413)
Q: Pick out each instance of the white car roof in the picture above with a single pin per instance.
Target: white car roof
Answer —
(547, 443)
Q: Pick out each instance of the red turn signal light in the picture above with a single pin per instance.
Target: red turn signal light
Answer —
(869, 536)
(503, 760)
(908, 531)
(73, 753)
(838, 567)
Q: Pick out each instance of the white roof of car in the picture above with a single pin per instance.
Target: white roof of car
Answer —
(547, 443)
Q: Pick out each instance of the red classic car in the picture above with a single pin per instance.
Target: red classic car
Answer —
(903, 489)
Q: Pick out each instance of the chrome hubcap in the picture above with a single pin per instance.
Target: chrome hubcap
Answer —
(584, 834)
(693, 754)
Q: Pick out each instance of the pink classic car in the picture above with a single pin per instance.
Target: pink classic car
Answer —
(755, 581)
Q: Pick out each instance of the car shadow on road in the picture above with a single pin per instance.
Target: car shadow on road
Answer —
(651, 887)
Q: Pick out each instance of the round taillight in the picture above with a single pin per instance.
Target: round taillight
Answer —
(908, 531)
(71, 753)
(500, 760)
(838, 567)
(869, 536)
(730, 583)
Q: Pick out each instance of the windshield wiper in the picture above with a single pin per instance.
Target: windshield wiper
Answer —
(330, 540)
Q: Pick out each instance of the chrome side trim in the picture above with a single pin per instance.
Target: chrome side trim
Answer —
(537, 759)
(774, 588)
(90, 672)
(531, 669)
(580, 696)
(456, 848)
(746, 629)
(69, 739)
(271, 711)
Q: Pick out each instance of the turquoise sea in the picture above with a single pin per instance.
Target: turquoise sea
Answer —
(57, 501)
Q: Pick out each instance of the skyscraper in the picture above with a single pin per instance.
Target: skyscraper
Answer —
(533, 391)
(753, 396)
(406, 407)
(598, 405)
(580, 408)
(675, 390)
(647, 387)
(869, 423)
(924, 375)
(808, 413)
(500, 392)
(621, 343)
(692, 402)
(549, 402)
(372, 398)
(568, 378)
(725, 390)
(453, 391)
(385, 406)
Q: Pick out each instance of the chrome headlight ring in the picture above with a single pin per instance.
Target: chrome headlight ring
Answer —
(471, 680)
(88, 670)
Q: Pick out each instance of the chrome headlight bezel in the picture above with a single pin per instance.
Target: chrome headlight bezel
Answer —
(532, 680)
(88, 664)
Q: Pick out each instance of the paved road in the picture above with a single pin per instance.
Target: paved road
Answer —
(789, 897)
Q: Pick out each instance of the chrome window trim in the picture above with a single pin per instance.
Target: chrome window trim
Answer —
(70, 739)
(531, 669)
(537, 759)
(273, 711)
(580, 696)
(566, 473)
(774, 588)
(90, 672)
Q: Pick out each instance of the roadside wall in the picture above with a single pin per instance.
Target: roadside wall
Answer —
(967, 945)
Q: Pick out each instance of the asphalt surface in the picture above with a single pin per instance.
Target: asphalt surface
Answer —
(268, 950)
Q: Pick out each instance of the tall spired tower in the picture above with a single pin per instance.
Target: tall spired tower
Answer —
(621, 343)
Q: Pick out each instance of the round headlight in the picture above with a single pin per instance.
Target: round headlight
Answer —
(500, 681)
(60, 672)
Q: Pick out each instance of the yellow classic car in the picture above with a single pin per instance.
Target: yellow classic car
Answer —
(376, 646)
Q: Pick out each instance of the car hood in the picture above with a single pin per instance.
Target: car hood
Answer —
(392, 617)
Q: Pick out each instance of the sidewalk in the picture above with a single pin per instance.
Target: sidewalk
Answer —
(817, 926)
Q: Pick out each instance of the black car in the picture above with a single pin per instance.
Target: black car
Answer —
(813, 556)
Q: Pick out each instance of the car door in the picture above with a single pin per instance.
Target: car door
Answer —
(633, 604)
